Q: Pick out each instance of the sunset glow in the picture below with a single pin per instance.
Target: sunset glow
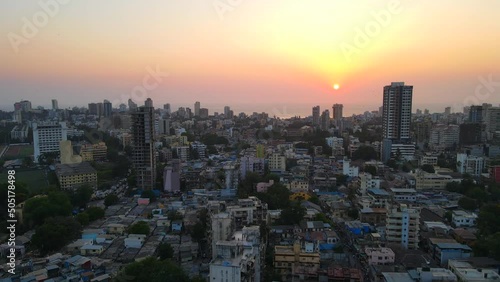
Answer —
(256, 52)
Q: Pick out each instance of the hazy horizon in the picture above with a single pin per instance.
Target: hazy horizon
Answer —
(253, 53)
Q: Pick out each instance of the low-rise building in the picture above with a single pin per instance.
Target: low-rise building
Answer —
(380, 256)
(466, 272)
(404, 194)
(288, 259)
(461, 218)
(72, 176)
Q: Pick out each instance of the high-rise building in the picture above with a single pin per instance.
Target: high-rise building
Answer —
(476, 114)
(197, 109)
(227, 110)
(492, 121)
(131, 105)
(143, 154)
(100, 109)
(167, 109)
(23, 106)
(47, 137)
(171, 177)
(447, 110)
(92, 108)
(122, 107)
(316, 115)
(107, 108)
(325, 120)
(55, 105)
(149, 103)
(203, 113)
(337, 111)
(397, 111)
(164, 126)
(470, 133)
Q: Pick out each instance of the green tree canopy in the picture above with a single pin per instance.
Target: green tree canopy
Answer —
(365, 153)
(153, 270)
(95, 213)
(37, 209)
(428, 168)
(81, 196)
(467, 203)
(140, 227)
(292, 214)
(371, 169)
(110, 200)
(55, 233)
(165, 251)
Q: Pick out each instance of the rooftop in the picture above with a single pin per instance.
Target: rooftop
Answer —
(74, 169)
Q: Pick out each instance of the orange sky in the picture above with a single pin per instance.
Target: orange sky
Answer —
(257, 52)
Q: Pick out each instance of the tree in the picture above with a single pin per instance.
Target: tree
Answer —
(365, 153)
(83, 218)
(95, 213)
(81, 196)
(165, 251)
(55, 233)
(353, 213)
(428, 168)
(392, 163)
(149, 194)
(174, 215)
(488, 221)
(151, 269)
(293, 214)
(198, 232)
(371, 169)
(276, 197)
(110, 200)
(140, 227)
(37, 209)
(467, 203)
(342, 179)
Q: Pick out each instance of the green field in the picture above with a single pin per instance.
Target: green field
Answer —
(19, 152)
(35, 179)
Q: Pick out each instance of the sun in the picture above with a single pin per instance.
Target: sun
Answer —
(336, 86)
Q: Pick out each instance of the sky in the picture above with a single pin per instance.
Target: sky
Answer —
(281, 56)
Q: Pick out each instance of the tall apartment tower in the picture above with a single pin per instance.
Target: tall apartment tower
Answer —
(316, 115)
(131, 105)
(197, 107)
(403, 226)
(337, 111)
(47, 137)
(107, 108)
(55, 105)
(143, 155)
(476, 114)
(397, 111)
(167, 109)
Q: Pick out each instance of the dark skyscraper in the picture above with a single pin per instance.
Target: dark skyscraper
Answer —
(338, 111)
(143, 154)
(476, 114)
(397, 111)
(316, 115)
(107, 108)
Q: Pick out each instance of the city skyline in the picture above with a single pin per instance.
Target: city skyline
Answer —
(253, 54)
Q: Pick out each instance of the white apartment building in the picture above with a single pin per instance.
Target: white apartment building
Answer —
(463, 219)
(472, 165)
(347, 169)
(277, 163)
(402, 226)
(47, 137)
(367, 181)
